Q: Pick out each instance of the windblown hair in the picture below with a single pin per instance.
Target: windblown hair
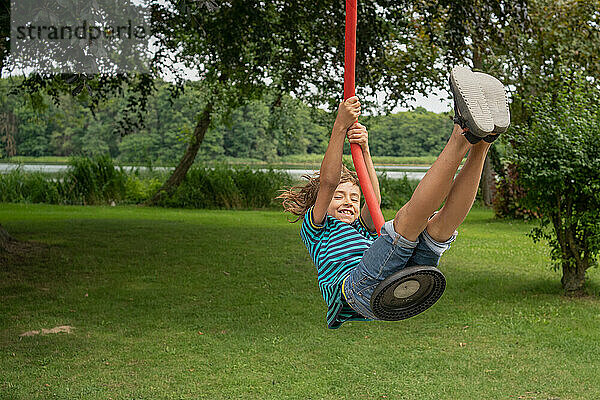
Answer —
(298, 199)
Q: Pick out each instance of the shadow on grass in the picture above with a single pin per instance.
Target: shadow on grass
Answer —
(21, 252)
(487, 293)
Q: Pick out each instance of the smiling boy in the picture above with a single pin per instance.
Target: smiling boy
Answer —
(350, 259)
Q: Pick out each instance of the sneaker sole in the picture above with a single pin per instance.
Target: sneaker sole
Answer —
(495, 96)
(471, 101)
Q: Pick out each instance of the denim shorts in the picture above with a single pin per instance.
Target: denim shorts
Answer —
(388, 254)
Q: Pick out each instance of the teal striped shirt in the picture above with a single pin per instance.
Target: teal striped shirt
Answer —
(335, 248)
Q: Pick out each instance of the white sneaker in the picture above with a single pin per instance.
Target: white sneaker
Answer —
(497, 101)
(470, 105)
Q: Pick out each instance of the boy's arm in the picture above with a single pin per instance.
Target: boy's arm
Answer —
(358, 134)
(331, 166)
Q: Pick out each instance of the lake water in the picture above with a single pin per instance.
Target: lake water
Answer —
(393, 172)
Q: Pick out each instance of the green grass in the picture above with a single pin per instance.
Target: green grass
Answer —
(35, 160)
(139, 286)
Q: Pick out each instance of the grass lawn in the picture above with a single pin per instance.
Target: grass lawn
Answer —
(195, 304)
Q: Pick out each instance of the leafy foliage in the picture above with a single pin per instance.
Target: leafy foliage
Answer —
(560, 39)
(94, 181)
(251, 131)
(508, 200)
(19, 187)
(97, 181)
(87, 181)
(228, 187)
(416, 133)
(557, 157)
(396, 192)
(440, 34)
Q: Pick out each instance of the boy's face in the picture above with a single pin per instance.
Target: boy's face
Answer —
(345, 204)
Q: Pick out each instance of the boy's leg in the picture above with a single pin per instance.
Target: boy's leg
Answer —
(461, 196)
(412, 218)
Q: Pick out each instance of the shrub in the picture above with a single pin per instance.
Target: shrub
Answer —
(93, 181)
(11, 186)
(138, 190)
(557, 157)
(508, 201)
(97, 181)
(395, 192)
(223, 186)
(259, 188)
(18, 186)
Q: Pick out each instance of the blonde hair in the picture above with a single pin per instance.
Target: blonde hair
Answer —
(298, 199)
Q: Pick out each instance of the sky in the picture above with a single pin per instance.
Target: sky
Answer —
(437, 102)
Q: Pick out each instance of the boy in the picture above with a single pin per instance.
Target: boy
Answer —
(340, 237)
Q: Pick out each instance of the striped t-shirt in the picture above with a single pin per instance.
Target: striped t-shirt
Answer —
(335, 248)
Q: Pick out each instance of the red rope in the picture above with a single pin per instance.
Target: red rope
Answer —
(357, 156)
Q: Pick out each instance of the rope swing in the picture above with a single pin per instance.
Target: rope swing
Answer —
(357, 156)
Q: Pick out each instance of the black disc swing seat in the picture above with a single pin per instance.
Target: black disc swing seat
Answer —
(407, 293)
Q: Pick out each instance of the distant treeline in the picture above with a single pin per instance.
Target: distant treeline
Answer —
(255, 131)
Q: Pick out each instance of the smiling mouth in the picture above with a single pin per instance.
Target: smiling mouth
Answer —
(347, 212)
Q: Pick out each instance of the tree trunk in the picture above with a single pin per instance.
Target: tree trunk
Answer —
(188, 158)
(8, 130)
(4, 239)
(573, 280)
(487, 182)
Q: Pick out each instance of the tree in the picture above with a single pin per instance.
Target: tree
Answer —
(4, 33)
(474, 32)
(417, 133)
(557, 163)
(562, 38)
(300, 45)
(240, 45)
